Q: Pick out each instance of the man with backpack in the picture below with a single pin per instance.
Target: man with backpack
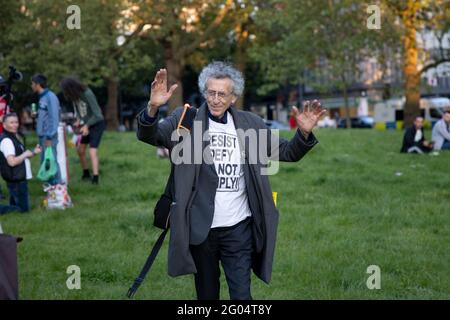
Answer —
(222, 208)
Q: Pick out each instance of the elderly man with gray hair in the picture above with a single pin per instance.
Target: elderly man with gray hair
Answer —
(222, 210)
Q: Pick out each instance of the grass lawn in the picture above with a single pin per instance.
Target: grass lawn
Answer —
(354, 201)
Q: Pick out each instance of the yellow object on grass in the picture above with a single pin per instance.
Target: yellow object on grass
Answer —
(274, 196)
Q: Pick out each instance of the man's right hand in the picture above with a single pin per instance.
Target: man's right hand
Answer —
(159, 94)
(28, 154)
(428, 144)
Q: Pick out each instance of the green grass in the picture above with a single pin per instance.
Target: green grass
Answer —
(342, 208)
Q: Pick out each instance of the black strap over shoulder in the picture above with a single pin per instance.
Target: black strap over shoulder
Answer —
(148, 264)
(162, 208)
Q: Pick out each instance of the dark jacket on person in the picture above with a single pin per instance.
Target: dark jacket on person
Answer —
(195, 187)
(17, 173)
(408, 139)
(87, 109)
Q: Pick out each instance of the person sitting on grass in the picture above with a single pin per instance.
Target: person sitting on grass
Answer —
(15, 165)
(441, 132)
(414, 139)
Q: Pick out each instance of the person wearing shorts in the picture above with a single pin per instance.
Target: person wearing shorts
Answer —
(90, 124)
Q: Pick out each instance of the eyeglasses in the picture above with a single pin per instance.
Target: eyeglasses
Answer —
(220, 95)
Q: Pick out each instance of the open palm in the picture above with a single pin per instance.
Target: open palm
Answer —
(159, 94)
(307, 118)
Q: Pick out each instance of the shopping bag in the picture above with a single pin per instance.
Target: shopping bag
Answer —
(57, 197)
(49, 167)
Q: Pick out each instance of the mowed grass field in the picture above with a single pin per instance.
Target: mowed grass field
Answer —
(352, 202)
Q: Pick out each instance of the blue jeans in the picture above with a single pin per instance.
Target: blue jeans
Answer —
(4, 209)
(446, 145)
(18, 197)
(57, 178)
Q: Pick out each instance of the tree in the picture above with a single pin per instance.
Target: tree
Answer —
(231, 41)
(320, 43)
(41, 42)
(418, 16)
(9, 9)
(180, 28)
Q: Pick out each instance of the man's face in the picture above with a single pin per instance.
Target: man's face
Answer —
(219, 96)
(447, 117)
(35, 87)
(418, 123)
(11, 124)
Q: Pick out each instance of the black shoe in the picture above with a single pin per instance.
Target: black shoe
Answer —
(94, 179)
(86, 175)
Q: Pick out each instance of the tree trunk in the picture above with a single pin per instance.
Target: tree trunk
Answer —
(241, 56)
(112, 109)
(412, 77)
(347, 108)
(175, 68)
(240, 64)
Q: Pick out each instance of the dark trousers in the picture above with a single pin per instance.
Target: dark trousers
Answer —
(18, 195)
(445, 145)
(233, 247)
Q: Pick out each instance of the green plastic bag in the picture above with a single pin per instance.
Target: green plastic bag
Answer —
(49, 167)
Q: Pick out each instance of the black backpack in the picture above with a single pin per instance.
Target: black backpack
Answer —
(162, 208)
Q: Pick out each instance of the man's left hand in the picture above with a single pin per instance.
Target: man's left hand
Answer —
(307, 119)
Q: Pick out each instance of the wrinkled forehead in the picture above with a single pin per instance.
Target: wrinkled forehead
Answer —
(220, 84)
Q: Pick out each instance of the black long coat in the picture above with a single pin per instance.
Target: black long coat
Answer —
(196, 183)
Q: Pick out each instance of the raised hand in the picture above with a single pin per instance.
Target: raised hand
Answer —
(307, 119)
(159, 94)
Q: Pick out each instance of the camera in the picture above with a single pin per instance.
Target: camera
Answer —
(14, 75)
(5, 85)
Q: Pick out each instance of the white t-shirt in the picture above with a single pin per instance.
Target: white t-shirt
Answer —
(418, 136)
(231, 202)
(7, 147)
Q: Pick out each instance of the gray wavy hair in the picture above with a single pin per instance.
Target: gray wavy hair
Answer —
(221, 70)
